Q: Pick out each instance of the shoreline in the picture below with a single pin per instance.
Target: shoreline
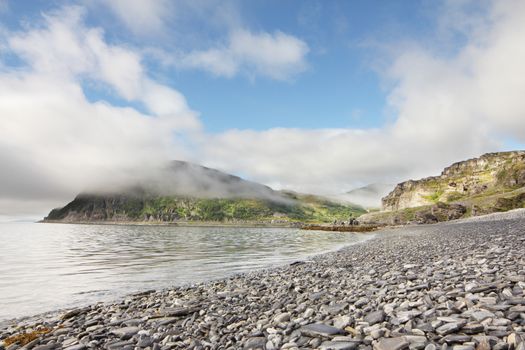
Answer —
(457, 283)
(169, 224)
(54, 313)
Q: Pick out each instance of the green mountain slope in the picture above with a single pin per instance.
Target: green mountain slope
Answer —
(218, 198)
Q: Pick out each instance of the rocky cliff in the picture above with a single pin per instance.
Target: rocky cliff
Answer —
(184, 192)
(488, 174)
(492, 182)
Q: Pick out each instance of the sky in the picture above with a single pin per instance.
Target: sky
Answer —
(312, 96)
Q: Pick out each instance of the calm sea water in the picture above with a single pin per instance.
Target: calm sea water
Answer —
(44, 267)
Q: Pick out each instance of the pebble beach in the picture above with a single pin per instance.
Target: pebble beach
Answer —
(455, 285)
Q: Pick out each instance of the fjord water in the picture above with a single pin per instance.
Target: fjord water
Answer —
(44, 267)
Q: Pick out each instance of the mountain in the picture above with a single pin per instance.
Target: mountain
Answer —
(183, 192)
(489, 183)
(368, 196)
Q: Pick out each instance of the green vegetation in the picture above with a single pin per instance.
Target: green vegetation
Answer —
(434, 197)
(297, 208)
(286, 208)
(453, 196)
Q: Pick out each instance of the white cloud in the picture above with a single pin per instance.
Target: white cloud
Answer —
(142, 17)
(54, 142)
(275, 55)
(447, 107)
(278, 56)
(64, 47)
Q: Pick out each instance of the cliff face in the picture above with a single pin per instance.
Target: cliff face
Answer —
(489, 174)
(97, 207)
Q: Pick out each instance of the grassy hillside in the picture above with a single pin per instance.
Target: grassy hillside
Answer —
(291, 207)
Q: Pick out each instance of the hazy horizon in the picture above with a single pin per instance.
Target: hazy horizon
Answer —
(316, 97)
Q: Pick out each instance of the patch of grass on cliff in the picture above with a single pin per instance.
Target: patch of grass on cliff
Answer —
(434, 197)
(454, 196)
(409, 214)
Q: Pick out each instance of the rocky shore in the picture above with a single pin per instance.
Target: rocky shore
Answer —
(457, 285)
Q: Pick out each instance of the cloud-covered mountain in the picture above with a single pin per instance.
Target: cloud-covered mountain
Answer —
(186, 192)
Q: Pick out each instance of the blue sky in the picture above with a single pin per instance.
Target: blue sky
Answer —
(340, 88)
(313, 96)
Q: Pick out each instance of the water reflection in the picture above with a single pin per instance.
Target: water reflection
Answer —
(49, 266)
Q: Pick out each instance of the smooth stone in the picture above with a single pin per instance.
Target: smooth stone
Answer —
(450, 339)
(319, 329)
(463, 347)
(344, 338)
(145, 342)
(45, 347)
(119, 345)
(341, 321)
(167, 320)
(270, 345)
(448, 328)
(501, 346)
(126, 332)
(316, 296)
(333, 309)
(377, 333)
(62, 331)
(338, 345)
(375, 317)
(472, 328)
(76, 347)
(416, 339)
(514, 339)
(482, 315)
(72, 313)
(308, 313)
(398, 343)
(255, 343)
(361, 302)
(285, 316)
(94, 328)
(69, 342)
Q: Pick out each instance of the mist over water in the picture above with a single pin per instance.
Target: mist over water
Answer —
(44, 267)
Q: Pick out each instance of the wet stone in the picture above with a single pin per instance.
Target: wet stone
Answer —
(318, 329)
